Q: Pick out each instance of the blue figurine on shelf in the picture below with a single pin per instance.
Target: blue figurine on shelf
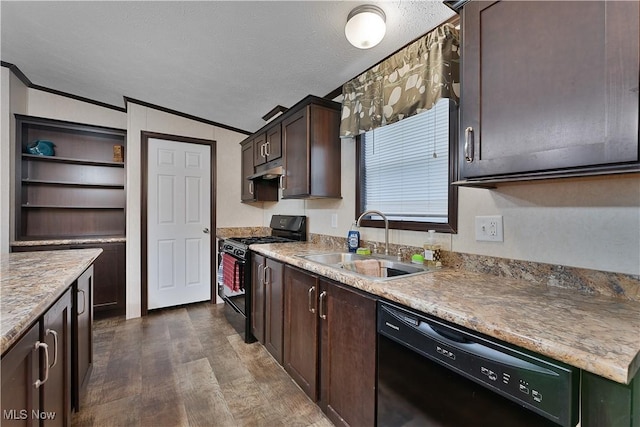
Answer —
(41, 147)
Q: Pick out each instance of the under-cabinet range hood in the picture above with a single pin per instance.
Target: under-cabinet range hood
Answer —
(272, 171)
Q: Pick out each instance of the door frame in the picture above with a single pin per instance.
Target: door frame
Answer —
(144, 147)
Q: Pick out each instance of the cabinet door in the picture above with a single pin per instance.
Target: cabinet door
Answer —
(257, 297)
(348, 379)
(274, 143)
(248, 193)
(301, 329)
(83, 336)
(296, 148)
(109, 283)
(274, 308)
(19, 373)
(55, 393)
(548, 85)
(260, 149)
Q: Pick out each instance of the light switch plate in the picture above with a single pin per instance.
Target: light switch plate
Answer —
(489, 228)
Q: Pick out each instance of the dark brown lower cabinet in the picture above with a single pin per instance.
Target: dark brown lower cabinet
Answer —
(36, 372)
(301, 329)
(257, 297)
(109, 286)
(348, 355)
(83, 337)
(330, 346)
(20, 370)
(55, 393)
(274, 308)
(267, 302)
(607, 403)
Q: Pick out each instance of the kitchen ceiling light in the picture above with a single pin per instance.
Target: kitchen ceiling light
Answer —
(365, 26)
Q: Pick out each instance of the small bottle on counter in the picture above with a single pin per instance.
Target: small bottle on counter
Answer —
(432, 251)
(353, 238)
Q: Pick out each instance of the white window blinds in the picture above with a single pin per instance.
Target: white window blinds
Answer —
(405, 167)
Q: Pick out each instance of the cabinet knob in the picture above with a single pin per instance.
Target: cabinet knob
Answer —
(205, 230)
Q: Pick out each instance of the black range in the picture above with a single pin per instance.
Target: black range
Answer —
(234, 268)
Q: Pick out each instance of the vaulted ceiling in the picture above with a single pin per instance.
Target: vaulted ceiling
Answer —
(226, 61)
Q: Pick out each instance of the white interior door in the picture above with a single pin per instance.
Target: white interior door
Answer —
(178, 223)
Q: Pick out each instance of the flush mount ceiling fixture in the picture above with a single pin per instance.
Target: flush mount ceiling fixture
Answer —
(365, 26)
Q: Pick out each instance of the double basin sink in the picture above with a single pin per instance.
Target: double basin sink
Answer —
(374, 267)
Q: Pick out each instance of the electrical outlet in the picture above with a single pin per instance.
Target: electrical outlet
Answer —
(334, 220)
(489, 228)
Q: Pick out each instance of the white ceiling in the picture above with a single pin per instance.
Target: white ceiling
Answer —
(226, 61)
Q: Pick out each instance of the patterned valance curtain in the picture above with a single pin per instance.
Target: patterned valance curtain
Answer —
(407, 83)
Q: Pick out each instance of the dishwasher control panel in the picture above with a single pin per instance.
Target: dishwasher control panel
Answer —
(544, 386)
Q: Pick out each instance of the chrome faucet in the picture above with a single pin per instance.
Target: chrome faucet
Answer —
(386, 227)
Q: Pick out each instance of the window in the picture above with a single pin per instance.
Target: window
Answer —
(406, 168)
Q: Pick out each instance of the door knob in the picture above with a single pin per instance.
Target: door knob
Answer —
(206, 230)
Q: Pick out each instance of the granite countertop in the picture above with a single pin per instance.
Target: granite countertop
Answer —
(56, 242)
(30, 282)
(599, 334)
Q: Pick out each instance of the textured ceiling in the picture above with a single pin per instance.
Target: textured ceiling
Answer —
(230, 62)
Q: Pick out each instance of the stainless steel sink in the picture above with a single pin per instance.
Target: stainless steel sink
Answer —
(388, 269)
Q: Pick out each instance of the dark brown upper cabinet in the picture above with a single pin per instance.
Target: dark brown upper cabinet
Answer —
(268, 146)
(549, 89)
(311, 144)
(255, 190)
(304, 145)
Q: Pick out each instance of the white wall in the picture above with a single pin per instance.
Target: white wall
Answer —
(5, 159)
(14, 101)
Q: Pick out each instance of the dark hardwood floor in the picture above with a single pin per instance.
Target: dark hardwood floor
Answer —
(187, 367)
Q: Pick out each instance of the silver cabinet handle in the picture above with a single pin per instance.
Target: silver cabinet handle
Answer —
(282, 182)
(267, 149)
(312, 290)
(38, 345)
(262, 150)
(261, 275)
(55, 346)
(468, 144)
(250, 187)
(267, 282)
(321, 302)
(84, 301)
(206, 230)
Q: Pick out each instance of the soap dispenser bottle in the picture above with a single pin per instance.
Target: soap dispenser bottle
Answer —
(432, 251)
(353, 238)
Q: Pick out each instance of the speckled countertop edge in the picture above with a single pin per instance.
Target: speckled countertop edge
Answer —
(56, 242)
(596, 333)
(30, 282)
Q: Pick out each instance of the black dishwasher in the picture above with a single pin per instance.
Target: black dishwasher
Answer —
(431, 373)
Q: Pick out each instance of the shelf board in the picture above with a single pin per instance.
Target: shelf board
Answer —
(69, 160)
(72, 207)
(71, 184)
